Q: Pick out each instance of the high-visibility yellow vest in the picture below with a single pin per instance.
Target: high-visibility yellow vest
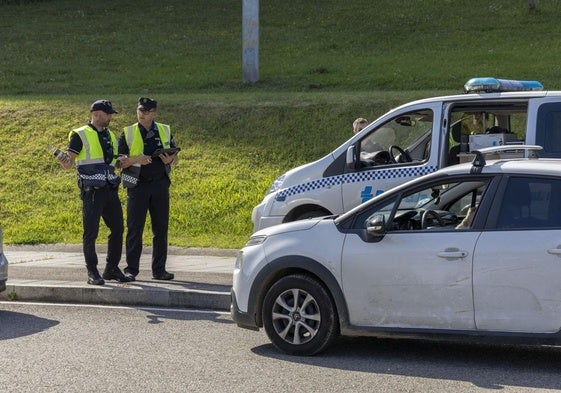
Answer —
(92, 169)
(134, 141)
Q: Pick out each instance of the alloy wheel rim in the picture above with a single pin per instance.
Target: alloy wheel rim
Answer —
(296, 316)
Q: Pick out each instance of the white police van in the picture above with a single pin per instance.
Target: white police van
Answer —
(415, 139)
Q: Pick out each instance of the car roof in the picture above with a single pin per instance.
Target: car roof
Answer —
(488, 96)
(543, 166)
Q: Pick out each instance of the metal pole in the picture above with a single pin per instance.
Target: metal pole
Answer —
(250, 46)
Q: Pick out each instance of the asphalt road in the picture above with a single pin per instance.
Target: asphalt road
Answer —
(56, 348)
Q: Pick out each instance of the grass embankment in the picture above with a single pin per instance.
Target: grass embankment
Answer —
(323, 63)
(230, 155)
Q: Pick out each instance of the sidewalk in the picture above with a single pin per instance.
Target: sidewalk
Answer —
(57, 273)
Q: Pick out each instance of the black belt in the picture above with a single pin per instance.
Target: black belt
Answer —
(93, 188)
(150, 179)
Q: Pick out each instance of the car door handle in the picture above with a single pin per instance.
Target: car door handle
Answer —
(554, 251)
(453, 253)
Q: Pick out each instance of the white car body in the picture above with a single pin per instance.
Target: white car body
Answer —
(490, 280)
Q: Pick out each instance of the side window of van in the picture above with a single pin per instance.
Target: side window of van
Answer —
(477, 125)
(548, 129)
(405, 138)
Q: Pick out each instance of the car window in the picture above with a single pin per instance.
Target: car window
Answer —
(445, 205)
(405, 138)
(548, 129)
(476, 125)
(531, 203)
(385, 209)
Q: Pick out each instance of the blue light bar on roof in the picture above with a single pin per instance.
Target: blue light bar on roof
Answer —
(493, 85)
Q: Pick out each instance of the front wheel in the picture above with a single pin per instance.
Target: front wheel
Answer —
(299, 316)
(311, 214)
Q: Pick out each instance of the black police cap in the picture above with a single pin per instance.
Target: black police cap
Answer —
(147, 103)
(103, 105)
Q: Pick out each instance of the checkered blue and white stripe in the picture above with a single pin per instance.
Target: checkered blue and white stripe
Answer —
(128, 179)
(355, 177)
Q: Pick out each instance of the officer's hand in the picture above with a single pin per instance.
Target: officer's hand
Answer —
(64, 160)
(123, 161)
(144, 160)
(63, 157)
(167, 158)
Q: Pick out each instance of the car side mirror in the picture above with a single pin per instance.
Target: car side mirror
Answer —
(376, 227)
(352, 162)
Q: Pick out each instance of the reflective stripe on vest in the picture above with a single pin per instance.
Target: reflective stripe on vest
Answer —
(135, 143)
(92, 169)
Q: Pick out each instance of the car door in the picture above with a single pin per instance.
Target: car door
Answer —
(517, 266)
(415, 128)
(544, 125)
(411, 278)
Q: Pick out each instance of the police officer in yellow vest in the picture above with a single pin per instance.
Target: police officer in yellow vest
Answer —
(146, 176)
(93, 148)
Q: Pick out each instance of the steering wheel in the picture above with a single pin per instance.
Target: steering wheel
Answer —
(425, 220)
(402, 220)
(404, 156)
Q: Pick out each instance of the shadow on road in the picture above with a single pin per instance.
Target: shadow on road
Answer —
(156, 316)
(486, 366)
(16, 324)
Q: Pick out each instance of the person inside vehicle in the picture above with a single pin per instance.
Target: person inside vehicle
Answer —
(466, 222)
(359, 124)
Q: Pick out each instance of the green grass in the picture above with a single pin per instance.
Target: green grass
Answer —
(322, 64)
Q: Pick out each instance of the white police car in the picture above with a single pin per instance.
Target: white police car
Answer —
(412, 140)
(472, 250)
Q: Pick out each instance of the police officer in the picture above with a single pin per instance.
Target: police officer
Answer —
(92, 148)
(146, 176)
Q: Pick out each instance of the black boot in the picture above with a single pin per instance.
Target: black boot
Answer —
(94, 278)
(115, 274)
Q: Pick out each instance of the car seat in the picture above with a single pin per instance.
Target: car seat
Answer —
(456, 132)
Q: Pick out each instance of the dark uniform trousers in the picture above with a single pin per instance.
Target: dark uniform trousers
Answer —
(103, 203)
(153, 197)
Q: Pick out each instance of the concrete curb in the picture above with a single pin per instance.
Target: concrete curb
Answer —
(126, 294)
(56, 273)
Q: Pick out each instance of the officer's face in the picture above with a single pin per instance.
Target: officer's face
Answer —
(145, 116)
(101, 118)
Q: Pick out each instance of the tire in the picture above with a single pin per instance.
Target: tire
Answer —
(299, 316)
(311, 214)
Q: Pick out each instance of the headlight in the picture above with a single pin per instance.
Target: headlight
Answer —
(277, 184)
(256, 240)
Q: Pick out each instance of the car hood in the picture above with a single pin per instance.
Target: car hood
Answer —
(307, 172)
(301, 225)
